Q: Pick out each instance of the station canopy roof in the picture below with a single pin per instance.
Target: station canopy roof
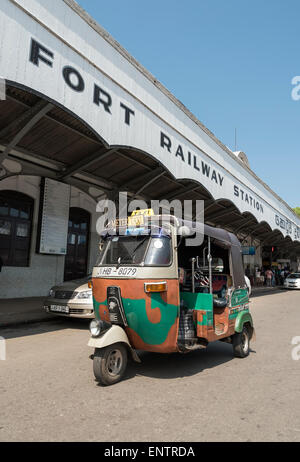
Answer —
(58, 145)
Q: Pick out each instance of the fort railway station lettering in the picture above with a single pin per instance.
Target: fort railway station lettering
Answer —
(75, 80)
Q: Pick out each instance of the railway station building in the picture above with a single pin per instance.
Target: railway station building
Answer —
(80, 121)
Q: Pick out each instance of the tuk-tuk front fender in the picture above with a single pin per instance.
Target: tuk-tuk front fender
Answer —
(115, 334)
(242, 318)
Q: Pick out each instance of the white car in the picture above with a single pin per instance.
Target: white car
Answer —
(248, 285)
(72, 299)
(292, 281)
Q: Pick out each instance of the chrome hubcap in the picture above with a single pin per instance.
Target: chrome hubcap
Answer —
(114, 362)
(245, 342)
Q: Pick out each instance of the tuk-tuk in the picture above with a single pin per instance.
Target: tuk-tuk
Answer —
(153, 292)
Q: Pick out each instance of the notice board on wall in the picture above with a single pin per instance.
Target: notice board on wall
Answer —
(54, 217)
(248, 250)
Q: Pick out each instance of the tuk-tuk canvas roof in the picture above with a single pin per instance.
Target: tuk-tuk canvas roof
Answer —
(224, 239)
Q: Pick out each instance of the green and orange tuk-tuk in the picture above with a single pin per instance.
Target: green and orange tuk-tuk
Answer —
(154, 292)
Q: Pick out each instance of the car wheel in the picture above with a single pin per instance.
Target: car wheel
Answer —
(109, 364)
(241, 343)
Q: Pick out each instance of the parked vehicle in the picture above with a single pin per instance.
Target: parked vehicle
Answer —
(292, 281)
(152, 292)
(72, 298)
(248, 283)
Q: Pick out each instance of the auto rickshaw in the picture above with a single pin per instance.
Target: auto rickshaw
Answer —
(153, 292)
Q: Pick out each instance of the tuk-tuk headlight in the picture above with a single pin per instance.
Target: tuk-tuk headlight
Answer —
(95, 328)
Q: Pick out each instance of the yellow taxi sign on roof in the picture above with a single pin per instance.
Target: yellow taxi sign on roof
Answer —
(144, 212)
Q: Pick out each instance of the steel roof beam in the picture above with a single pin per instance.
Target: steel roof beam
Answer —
(171, 180)
(183, 191)
(251, 232)
(210, 203)
(242, 217)
(37, 112)
(86, 162)
(261, 237)
(58, 122)
(270, 241)
(242, 226)
(221, 213)
(147, 179)
(288, 246)
(147, 184)
(23, 118)
(24, 156)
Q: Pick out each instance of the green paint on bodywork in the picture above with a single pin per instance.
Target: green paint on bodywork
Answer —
(239, 297)
(242, 318)
(197, 301)
(153, 334)
(201, 302)
(136, 315)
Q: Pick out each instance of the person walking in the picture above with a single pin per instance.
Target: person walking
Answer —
(269, 275)
(273, 279)
(282, 276)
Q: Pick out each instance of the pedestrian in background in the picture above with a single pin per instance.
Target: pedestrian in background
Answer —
(273, 279)
(269, 275)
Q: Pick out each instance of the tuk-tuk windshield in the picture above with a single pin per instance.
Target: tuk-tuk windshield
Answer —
(135, 250)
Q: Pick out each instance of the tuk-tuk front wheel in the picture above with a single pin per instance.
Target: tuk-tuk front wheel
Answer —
(241, 343)
(110, 363)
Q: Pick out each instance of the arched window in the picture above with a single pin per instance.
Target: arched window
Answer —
(16, 211)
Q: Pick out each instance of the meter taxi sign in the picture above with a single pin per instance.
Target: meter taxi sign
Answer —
(143, 212)
(137, 217)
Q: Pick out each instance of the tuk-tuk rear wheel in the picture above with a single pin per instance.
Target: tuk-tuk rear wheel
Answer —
(109, 363)
(241, 343)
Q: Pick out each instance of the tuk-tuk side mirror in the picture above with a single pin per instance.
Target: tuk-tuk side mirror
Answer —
(184, 231)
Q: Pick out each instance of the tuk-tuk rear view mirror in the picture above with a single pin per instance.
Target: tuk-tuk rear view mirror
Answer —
(184, 231)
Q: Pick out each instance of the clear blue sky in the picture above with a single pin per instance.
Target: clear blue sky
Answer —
(231, 63)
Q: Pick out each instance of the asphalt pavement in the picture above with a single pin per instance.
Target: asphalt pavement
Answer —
(48, 392)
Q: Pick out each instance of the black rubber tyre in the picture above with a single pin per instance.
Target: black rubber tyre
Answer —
(241, 343)
(109, 364)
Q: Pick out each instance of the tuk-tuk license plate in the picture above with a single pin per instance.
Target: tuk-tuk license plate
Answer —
(59, 309)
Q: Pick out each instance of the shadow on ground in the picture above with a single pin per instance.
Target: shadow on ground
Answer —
(58, 323)
(176, 365)
(268, 292)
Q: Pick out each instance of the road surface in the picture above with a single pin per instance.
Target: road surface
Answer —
(48, 392)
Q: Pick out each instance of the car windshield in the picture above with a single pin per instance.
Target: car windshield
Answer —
(135, 250)
(294, 276)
